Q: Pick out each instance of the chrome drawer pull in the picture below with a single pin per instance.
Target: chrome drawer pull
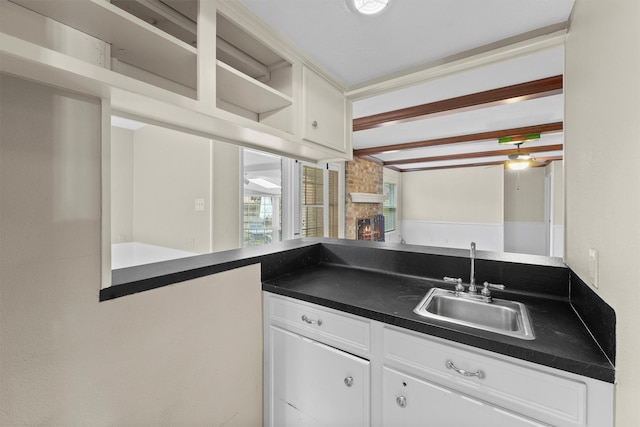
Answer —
(348, 381)
(311, 322)
(478, 374)
(401, 401)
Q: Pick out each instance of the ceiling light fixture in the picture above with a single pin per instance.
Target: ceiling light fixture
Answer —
(518, 165)
(367, 7)
(263, 183)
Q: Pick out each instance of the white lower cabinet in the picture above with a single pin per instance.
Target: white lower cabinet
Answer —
(409, 401)
(316, 385)
(324, 367)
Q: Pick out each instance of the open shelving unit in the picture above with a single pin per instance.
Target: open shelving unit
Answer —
(133, 41)
(246, 92)
(251, 79)
(240, 82)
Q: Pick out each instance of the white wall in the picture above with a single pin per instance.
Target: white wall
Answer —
(226, 196)
(157, 173)
(171, 170)
(524, 195)
(452, 207)
(121, 185)
(183, 355)
(556, 169)
(602, 148)
(524, 226)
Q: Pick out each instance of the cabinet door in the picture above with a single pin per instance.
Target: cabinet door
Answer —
(324, 112)
(409, 401)
(316, 385)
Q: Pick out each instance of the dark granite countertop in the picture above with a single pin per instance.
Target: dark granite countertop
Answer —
(385, 281)
(562, 341)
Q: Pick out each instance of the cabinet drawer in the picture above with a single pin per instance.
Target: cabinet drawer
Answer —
(320, 323)
(541, 395)
(410, 401)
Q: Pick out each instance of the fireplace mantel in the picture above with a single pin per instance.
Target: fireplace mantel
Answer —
(368, 198)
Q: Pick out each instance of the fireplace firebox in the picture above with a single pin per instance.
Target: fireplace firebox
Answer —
(371, 228)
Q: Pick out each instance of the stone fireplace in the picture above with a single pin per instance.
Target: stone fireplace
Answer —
(371, 228)
(364, 182)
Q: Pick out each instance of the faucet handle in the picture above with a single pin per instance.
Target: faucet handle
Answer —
(457, 281)
(486, 292)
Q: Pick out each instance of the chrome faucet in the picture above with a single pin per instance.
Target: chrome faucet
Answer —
(472, 293)
(472, 276)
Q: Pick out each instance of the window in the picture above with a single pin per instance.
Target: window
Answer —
(285, 198)
(389, 207)
(334, 207)
(312, 201)
(319, 202)
(262, 200)
(258, 220)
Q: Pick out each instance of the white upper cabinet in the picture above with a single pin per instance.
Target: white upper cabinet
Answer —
(324, 114)
(211, 68)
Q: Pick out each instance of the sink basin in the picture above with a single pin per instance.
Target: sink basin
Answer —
(499, 316)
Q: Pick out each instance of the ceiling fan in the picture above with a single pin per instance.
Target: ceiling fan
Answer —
(518, 160)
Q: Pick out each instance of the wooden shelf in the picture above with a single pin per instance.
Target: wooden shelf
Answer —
(132, 40)
(243, 91)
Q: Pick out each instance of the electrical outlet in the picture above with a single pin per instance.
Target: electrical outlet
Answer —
(593, 268)
(199, 205)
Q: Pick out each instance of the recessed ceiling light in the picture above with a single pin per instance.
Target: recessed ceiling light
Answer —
(367, 7)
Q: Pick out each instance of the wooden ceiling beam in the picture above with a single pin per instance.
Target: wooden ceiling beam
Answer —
(467, 165)
(508, 94)
(461, 156)
(482, 136)
(540, 163)
(549, 159)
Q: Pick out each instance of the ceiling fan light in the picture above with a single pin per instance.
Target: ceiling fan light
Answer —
(367, 7)
(518, 165)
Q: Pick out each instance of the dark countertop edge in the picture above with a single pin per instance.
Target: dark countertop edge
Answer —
(131, 280)
(579, 368)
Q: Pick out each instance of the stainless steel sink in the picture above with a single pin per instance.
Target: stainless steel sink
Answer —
(499, 316)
